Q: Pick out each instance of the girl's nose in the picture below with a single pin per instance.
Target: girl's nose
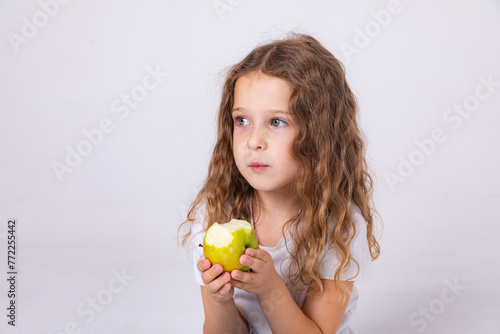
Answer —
(256, 140)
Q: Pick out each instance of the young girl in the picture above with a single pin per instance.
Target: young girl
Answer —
(289, 158)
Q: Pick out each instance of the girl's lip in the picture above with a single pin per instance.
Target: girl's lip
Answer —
(258, 164)
(258, 168)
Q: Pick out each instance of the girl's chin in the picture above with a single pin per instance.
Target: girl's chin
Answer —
(267, 188)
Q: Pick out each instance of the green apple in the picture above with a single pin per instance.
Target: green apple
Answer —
(225, 243)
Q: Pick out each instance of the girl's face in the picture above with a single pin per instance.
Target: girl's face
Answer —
(264, 132)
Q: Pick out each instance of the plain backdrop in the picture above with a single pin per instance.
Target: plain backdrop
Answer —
(96, 249)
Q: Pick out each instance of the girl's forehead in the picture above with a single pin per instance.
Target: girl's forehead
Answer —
(260, 77)
(261, 88)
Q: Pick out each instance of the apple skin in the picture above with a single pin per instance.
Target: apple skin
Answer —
(229, 255)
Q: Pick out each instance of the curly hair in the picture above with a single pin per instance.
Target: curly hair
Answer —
(329, 147)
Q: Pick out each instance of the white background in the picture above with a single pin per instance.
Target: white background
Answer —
(120, 207)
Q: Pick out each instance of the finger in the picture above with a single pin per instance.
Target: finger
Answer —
(204, 265)
(241, 277)
(227, 286)
(255, 264)
(258, 254)
(213, 272)
(227, 290)
(239, 284)
(219, 284)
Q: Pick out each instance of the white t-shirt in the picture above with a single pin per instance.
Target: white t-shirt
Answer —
(248, 304)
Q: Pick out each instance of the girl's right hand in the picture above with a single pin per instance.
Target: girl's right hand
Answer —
(217, 285)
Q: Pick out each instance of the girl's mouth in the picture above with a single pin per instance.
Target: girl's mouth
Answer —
(258, 167)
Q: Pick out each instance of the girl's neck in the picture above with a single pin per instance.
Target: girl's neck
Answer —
(277, 207)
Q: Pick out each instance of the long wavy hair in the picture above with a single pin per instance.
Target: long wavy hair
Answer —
(329, 147)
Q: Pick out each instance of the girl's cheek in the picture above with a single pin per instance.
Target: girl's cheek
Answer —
(240, 131)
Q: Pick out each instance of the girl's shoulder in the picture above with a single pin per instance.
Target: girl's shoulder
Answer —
(360, 240)
(359, 221)
(359, 251)
(200, 217)
(357, 215)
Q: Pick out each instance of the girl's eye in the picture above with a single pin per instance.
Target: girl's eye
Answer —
(278, 122)
(241, 121)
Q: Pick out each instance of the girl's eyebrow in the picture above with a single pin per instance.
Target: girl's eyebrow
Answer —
(274, 111)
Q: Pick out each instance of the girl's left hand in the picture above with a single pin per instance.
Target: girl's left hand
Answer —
(262, 279)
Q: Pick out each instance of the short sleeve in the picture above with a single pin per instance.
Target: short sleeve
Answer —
(360, 252)
(198, 234)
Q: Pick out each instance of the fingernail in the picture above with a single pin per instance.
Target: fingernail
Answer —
(218, 269)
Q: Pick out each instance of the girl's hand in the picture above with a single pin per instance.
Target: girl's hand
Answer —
(262, 279)
(217, 286)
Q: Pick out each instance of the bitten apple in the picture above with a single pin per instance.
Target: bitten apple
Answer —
(225, 243)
